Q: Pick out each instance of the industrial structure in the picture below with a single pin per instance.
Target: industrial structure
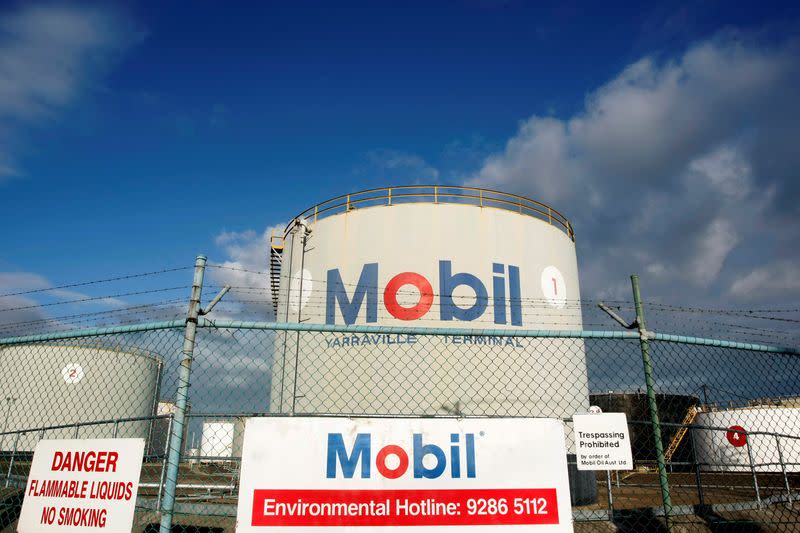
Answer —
(760, 437)
(430, 256)
(222, 438)
(65, 391)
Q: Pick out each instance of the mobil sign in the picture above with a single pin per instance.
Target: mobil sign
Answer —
(502, 294)
(302, 474)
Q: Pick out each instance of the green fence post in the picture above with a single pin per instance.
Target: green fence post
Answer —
(181, 398)
(651, 401)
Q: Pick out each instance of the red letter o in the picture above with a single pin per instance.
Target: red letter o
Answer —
(380, 461)
(425, 296)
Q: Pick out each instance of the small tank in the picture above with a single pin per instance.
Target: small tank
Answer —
(45, 385)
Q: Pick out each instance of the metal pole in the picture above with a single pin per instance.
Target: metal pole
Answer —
(651, 402)
(13, 455)
(163, 464)
(181, 397)
(700, 496)
(783, 469)
(753, 472)
(610, 496)
(299, 314)
(9, 400)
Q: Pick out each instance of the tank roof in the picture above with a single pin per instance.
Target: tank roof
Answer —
(435, 194)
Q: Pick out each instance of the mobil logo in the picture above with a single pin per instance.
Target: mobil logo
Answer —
(339, 460)
(505, 295)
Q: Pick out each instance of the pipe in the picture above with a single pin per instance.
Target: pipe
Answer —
(304, 230)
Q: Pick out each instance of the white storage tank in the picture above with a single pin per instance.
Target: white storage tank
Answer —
(726, 450)
(430, 257)
(47, 385)
(222, 438)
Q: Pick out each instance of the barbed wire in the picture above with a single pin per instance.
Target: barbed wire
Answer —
(92, 298)
(95, 282)
(663, 314)
(66, 318)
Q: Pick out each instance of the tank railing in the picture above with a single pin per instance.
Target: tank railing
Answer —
(83, 424)
(517, 203)
(438, 194)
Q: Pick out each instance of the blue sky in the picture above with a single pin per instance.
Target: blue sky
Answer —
(134, 136)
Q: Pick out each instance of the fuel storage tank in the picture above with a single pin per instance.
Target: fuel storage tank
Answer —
(430, 257)
(45, 385)
(732, 440)
(440, 257)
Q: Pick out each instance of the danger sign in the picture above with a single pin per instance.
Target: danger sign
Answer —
(82, 485)
(736, 439)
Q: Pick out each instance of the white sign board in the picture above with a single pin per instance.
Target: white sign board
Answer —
(82, 485)
(602, 442)
(403, 474)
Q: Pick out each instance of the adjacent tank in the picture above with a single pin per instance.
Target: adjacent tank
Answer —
(769, 443)
(46, 385)
(430, 257)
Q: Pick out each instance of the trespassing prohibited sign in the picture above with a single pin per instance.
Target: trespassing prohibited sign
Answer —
(602, 441)
(301, 474)
(82, 485)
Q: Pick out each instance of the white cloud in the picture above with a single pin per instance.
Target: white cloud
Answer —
(726, 171)
(538, 154)
(713, 245)
(779, 279)
(19, 315)
(672, 168)
(49, 54)
(10, 281)
(23, 313)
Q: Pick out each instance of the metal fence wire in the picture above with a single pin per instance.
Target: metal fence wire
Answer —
(728, 413)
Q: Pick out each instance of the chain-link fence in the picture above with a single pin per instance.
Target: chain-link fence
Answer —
(728, 413)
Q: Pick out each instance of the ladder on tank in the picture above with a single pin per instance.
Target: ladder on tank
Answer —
(275, 256)
(676, 441)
